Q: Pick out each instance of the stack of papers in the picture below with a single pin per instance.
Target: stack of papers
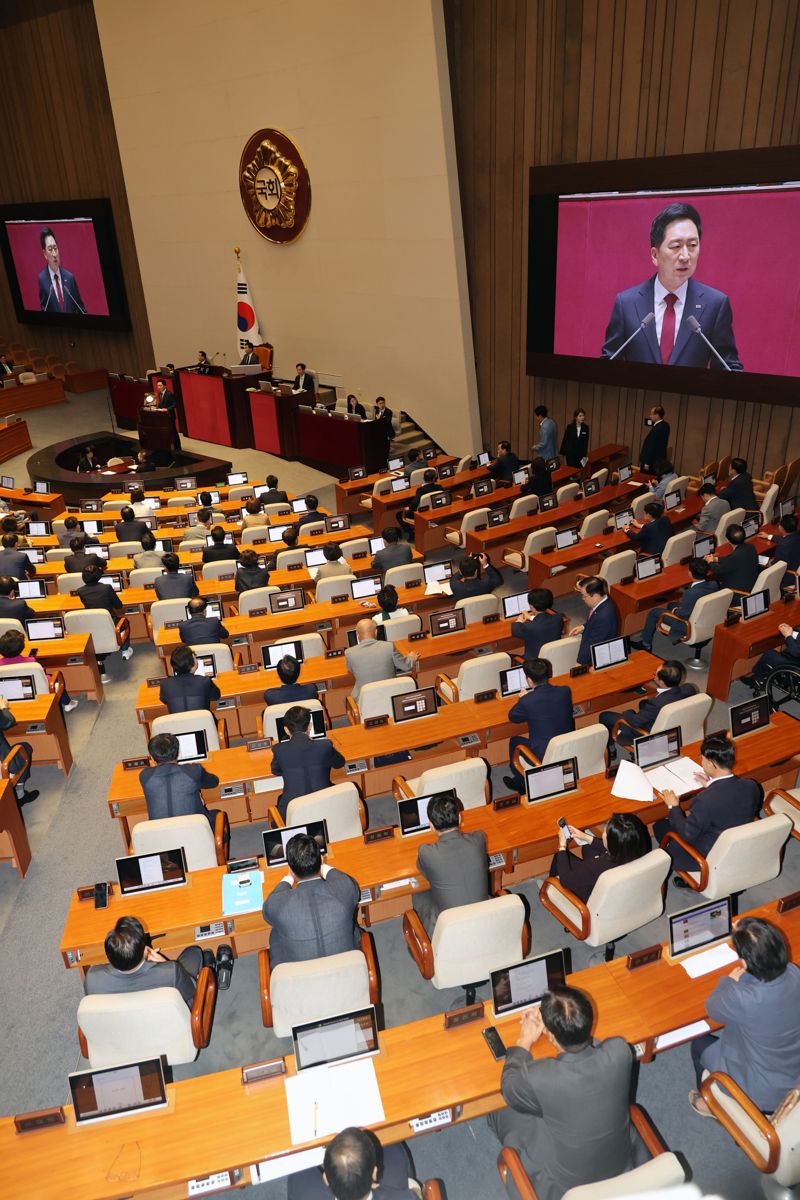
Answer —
(632, 783)
(242, 892)
(324, 1100)
(438, 587)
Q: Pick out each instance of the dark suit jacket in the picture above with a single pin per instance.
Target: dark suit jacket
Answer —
(787, 549)
(48, 297)
(693, 593)
(397, 555)
(173, 789)
(17, 610)
(305, 766)
(309, 518)
(545, 627)
(537, 485)
(291, 693)
(547, 709)
(457, 868)
(655, 445)
(739, 492)
(652, 538)
(197, 630)
(650, 708)
(581, 874)
(309, 1184)
(739, 569)
(74, 563)
(183, 693)
(601, 624)
(711, 308)
(424, 489)
(222, 553)
(273, 496)
(16, 564)
(463, 588)
(723, 804)
(100, 595)
(313, 919)
(307, 384)
(575, 443)
(504, 466)
(130, 531)
(175, 587)
(248, 578)
(358, 411)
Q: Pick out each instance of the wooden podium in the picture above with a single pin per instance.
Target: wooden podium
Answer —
(154, 427)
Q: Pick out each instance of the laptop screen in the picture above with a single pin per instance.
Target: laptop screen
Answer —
(45, 629)
(755, 605)
(272, 655)
(512, 681)
(749, 716)
(192, 746)
(483, 458)
(449, 621)
(292, 598)
(335, 1039)
(524, 985)
(608, 654)
(438, 572)
(299, 505)
(696, 927)
(360, 589)
(646, 568)
(657, 747)
(553, 780)
(315, 558)
(376, 544)
(703, 546)
(412, 812)
(623, 518)
(515, 604)
(31, 589)
(411, 705)
(17, 687)
(276, 840)
(566, 538)
(147, 872)
(316, 728)
(750, 527)
(115, 1091)
(625, 473)
(591, 487)
(237, 477)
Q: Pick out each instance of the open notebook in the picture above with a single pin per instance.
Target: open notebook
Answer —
(632, 783)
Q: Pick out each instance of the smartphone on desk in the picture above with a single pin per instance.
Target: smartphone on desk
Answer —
(494, 1042)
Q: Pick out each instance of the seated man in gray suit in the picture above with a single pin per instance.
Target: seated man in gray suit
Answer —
(714, 509)
(568, 1116)
(395, 553)
(370, 660)
(134, 966)
(312, 910)
(455, 865)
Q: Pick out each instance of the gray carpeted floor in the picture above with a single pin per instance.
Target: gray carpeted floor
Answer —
(74, 842)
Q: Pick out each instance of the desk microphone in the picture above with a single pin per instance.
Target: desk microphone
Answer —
(648, 320)
(694, 324)
(47, 301)
(74, 301)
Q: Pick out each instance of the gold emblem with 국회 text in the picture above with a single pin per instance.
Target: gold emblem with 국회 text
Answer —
(274, 186)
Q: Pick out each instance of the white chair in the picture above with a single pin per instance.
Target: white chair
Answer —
(242, 491)
(181, 502)
(340, 806)
(771, 1143)
(463, 463)
(296, 993)
(254, 534)
(57, 555)
(768, 502)
(535, 543)
(417, 477)
(381, 487)
(477, 607)
(203, 847)
(594, 523)
(770, 579)
(402, 627)
(279, 509)
(567, 492)
(601, 475)
(678, 548)
(107, 635)
(195, 719)
(617, 567)
(562, 654)
(124, 549)
(523, 506)
(140, 576)
(162, 611)
(638, 505)
(787, 802)
(142, 1025)
(469, 942)
(255, 598)
(623, 899)
(587, 745)
(219, 570)
(699, 627)
(375, 699)
(689, 714)
(289, 558)
(469, 778)
(37, 672)
(266, 722)
(474, 675)
(219, 651)
(68, 582)
(11, 623)
(679, 484)
(734, 517)
(402, 576)
(354, 546)
(27, 377)
(334, 585)
(741, 857)
(115, 461)
(477, 519)
(120, 502)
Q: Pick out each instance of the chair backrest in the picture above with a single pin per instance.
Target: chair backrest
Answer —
(594, 523)
(181, 502)
(734, 517)
(561, 654)
(137, 1026)
(122, 502)
(638, 505)
(139, 576)
(469, 778)
(382, 485)
(523, 506)
(477, 607)
(417, 478)
(481, 674)
(193, 833)
(38, 674)
(279, 710)
(339, 806)
(690, 714)
(375, 699)
(401, 627)
(707, 614)
(656, 1177)
(27, 377)
(471, 520)
(218, 570)
(463, 463)
(601, 475)
(471, 941)
(768, 502)
(9, 623)
(792, 471)
(587, 745)
(222, 654)
(254, 533)
(68, 582)
(678, 547)
(301, 992)
(185, 722)
(96, 621)
(679, 484)
(255, 598)
(425, 501)
(354, 546)
(787, 1171)
(401, 576)
(567, 492)
(162, 611)
(273, 510)
(770, 578)
(334, 585)
(617, 567)
(313, 645)
(58, 554)
(288, 558)
(724, 467)
(746, 855)
(627, 897)
(241, 491)
(539, 540)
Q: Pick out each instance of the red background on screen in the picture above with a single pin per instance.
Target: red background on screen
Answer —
(750, 250)
(77, 247)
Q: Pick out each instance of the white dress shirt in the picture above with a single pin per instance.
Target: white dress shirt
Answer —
(660, 306)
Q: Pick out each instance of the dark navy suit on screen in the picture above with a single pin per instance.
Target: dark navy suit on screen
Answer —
(48, 298)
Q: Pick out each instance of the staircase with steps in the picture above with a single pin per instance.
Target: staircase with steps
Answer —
(410, 437)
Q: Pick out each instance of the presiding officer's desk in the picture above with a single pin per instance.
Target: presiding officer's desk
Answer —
(736, 647)
(350, 492)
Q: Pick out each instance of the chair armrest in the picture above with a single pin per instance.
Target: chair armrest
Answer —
(444, 684)
(83, 1044)
(368, 950)
(222, 733)
(552, 884)
(622, 723)
(647, 1132)
(260, 724)
(353, 714)
(122, 629)
(510, 1167)
(765, 1127)
(263, 987)
(789, 587)
(205, 996)
(418, 943)
(739, 592)
(523, 756)
(526, 931)
(683, 620)
(222, 834)
(276, 818)
(784, 795)
(698, 858)
(5, 766)
(237, 660)
(401, 789)
(57, 684)
(431, 1190)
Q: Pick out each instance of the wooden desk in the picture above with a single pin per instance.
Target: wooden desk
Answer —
(74, 657)
(41, 505)
(31, 395)
(736, 647)
(350, 492)
(431, 524)
(166, 496)
(14, 845)
(41, 723)
(385, 508)
(14, 439)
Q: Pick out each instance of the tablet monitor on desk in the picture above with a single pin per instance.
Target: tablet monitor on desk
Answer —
(164, 545)
(275, 532)
(483, 487)
(41, 487)
(524, 985)
(91, 505)
(412, 812)
(101, 550)
(150, 521)
(591, 487)
(149, 872)
(92, 527)
(484, 458)
(399, 484)
(316, 729)
(671, 500)
(299, 505)
(236, 477)
(498, 516)
(376, 544)
(710, 479)
(39, 528)
(704, 545)
(276, 840)
(315, 558)
(184, 569)
(355, 473)
(152, 502)
(787, 507)
(625, 473)
(450, 620)
(447, 471)
(15, 688)
(395, 464)
(185, 483)
(749, 716)
(701, 926)
(548, 502)
(657, 748)
(288, 601)
(553, 780)
(31, 589)
(750, 525)
(362, 589)
(438, 500)
(336, 1039)
(623, 518)
(337, 523)
(34, 555)
(512, 681)
(7, 481)
(515, 604)
(44, 629)
(755, 605)
(438, 572)
(520, 477)
(206, 665)
(352, 636)
(411, 705)
(648, 568)
(116, 1091)
(113, 579)
(272, 655)
(192, 746)
(567, 537)
(212, 492)
(610, 653)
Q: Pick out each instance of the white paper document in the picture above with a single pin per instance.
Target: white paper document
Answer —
(684, 1034)
(710, 960)
(287, 1164)
(631, 783)
(438, 587)
(676, 776)
(324, 1100)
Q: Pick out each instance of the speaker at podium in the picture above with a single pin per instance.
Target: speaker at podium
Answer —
(154, 427)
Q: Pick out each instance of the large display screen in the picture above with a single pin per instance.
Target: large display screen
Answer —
(63, 265)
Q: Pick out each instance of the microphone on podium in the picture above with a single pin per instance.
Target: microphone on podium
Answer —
(648, 320)
(694, 324)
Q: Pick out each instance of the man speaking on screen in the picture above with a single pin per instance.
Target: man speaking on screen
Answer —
(58, 288)
(672, 318)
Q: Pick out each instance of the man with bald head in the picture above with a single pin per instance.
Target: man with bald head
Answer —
(370, 660)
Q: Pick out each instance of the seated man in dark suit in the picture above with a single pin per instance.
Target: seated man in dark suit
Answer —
(290, 691)
(670, 686)
(273, 494)
(700, 586)
(129, 528)
(249, 575)
(134, 966)
(405, 518)
(540, 482)
(184, 690)
(505, 464)
(739, 489)
(303, 382)
(220, 550)
(726, 801)
(313, 909)
(311, 516)
(199, 628)
(11, 607)
(94, 594)
(395, 553)
(739, 569)
(652, 533)
(173, 585)
(786, 548)
(415, 462)
(455, 865)
(304, 763)
(547, 711)
(77, 560)
(14, 561)
(770, 660)
(540, 624)
(356, 1164)
(171, 788)
(476, 577)
(602, 622)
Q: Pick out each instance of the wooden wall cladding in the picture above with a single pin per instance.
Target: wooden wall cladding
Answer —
(59, 143)
(538, 82)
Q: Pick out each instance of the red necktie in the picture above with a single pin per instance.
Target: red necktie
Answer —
(668, 327)
(59, 293)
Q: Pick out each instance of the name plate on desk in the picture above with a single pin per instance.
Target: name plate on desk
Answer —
(733, 618)
(172, 624)
(149, 587)
(641, 958)
(376, 722)
(505, 802)
(259, 541)
(482, 697)
(629, 579)
(295, 567)
(225, 578)
(787, 903)
(414, 583)
(269, 1069)
(334, 653)
(248, 669)
(379, 834)
(135, 764)
(491, 618)
(43, 1119)
(463, 1016)
(359, 554)
(259, 744)
(575, 671)
(156, 682)
(259, 612)
(340, 599)
(417, 637)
